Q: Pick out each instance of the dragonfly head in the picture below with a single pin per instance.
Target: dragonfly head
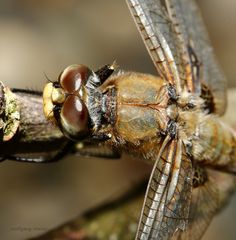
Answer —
(64, 101)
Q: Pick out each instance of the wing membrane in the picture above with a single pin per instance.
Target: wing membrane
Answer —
(158, 35)
(193, 31)
(167, 200)
(172, 30)
(206, 201)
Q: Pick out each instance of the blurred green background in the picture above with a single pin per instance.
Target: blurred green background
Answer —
(48, 35)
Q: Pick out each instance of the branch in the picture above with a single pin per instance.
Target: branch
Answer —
(24, 128)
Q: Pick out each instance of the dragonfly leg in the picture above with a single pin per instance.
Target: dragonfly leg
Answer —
(65, 150)
(105, 72)
(92, 150)
(70, 147)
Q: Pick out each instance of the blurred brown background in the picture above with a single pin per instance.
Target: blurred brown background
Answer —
(48, 35)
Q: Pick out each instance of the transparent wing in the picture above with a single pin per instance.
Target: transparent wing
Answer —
(167, 199)
(188, 21)
(164, 42)
(177, 41)
(206, 201)
(158, 35)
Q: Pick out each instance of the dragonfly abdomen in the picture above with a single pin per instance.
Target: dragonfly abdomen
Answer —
(214, 144)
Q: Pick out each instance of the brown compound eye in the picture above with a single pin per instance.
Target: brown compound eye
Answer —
(73, 77)
(74, 118)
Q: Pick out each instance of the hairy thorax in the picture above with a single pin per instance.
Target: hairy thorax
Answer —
(144, 108)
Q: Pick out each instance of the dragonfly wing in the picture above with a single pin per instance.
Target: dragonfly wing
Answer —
(206, 201)
(178, 43)
(156, 29)
(167, 199)
(188, 21)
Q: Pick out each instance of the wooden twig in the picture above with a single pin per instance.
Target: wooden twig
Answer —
(34, 134)
(33, 127)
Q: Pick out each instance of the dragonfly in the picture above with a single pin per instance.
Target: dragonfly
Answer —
(170, 120)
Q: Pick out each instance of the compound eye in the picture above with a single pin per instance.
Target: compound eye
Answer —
(73, 77)
(74, 118)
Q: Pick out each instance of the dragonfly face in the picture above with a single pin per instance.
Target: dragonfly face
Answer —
(169, 120)
(67, 102)
(64, 101)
